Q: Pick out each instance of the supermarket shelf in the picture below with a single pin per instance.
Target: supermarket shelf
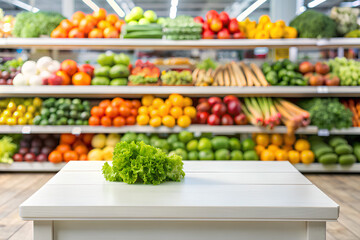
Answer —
(31, 167)
(139, 91)
(50, 167)
(333, 168)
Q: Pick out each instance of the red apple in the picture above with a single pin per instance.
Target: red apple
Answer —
(227, 120)
(234, 108)
(225, 19)
(23, 150)
(223, 34)
(206, 26)
(216, 25)
(316, 80)
(210, 15)
(213, 120)
(322, 68)
(332, 80)
(233, 25)
(198, 19)
(18, 157)
(202, 117)
(230, 98)
(240, 119)
(203, 107)
(219, 109)
(54, 79)
(201, 100)
(87, 68)
(208, 34)
(306, 67)
(41, 158)
(213, 100)
(239, 35)
(29, 157)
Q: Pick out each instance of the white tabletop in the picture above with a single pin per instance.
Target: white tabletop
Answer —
(225, 190)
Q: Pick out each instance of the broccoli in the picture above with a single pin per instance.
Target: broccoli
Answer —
(312, 24)
(28, 24)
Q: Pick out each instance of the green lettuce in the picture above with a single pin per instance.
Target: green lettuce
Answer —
(137, 162)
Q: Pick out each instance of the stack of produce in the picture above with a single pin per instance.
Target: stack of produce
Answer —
(313, 24)
(345, 19)
(336, 151)
(176, 78)
(9, 70)
(63, 111)
(219, 26)
(19, 110)
(182, 28)
(268, 113)
(347, 70)
(265, 29)
(33, 25)
(238, 74)
(174, 110)
(133, 163)
(283, 73)
(35, 148)
(283, 148)
(354, 106)
(141, 24)
(6, 25)
(103, 147)
(8, 149)
(117, 112)
(144, 73)
(203, 74)
(214, 111)
(71, 148)
(171, 61)
(318, 75)
(328, 113)
(114, 70)
(99, 24)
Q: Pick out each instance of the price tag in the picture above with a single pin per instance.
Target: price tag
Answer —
(26, 130)
(323, 133)
(322, 89)
(76, 131)
(281, 53)
(197, 134)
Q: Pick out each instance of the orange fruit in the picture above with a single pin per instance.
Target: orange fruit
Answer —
(264, 19)
(154, 113)
(190, 111)
(277, 32)
(168, 103)
(67, 138)
(94, 121)
(81, 149)
(58, 33)
(95, 33)
(130, 120)
(91, 19)
(267, 155)
(273, 148)
(118, 25)
(112, 18)
(276, 139)
(124, 111)
(76, 22)
(76, 33)
(111, 111)
(103, 24)
(83, 157)
(262, 139)
(105, 121)
(81, 78)
(136, 103)
(116, 102)
(87, 137)
(119, 121)
(143, 110)
(301, 145)
(100, 14)
(105, 103)
(281, 155)
(65, 78)
(155, 121)
(133, 112)
(97, 111)
(307, 157)
(111, 32)
(259, 149)
(66, 24)
(69, 66)
(147, 100)
(157, 102)
(55, 157)
(168, 121)
(177, 100)
(78, 142)
(70, 156)
(280, 23)
(187, 102)
(176, 112)
(86, 26)
(289, 139)
(287, 148)
(290, 32)
(294, 156)
(184, 121)
(78, 15)
(63, 148)
(163, 110)
(142, 120)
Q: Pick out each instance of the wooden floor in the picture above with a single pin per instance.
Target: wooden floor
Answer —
(343, 189)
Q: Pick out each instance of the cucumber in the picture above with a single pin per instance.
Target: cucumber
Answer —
(323, 150)
(343, 149)
(144, 34)
(137, 28)
(357, 150)
(335, 141)
(347, 159)
(328, 158)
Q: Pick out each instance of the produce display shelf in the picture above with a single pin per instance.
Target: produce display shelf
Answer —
(196, 128)
(164, 91)
(50, 167)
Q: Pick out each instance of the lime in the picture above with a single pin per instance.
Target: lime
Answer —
(37, 120)
(45, 112)
(52, 110)
(222, 154)
(235, 144)
(193, 155)
(84, 115)
(192, 145)
(60, 113)
(237, 155)
(85, 122)
(53, 115)
(52, 121)
(67, 101)
(185, 136)
(73, 107)
(206, 154)
(204, 143)
(248, 144)
(251, 155)
(44, 122)
(80, 108)
(73, 114)
(70, 121)
(173, 138)
(78, 122)
(76, 101)
(181, 152)
(86, 103)
(176, 145)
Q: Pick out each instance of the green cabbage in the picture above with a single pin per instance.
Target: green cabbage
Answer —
(141, 163)
(7, 149)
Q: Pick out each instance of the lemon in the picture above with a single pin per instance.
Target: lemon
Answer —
(157, 102)
(11, 106)
(155, 122)
(28, 116)
(17, 114)
(190, 111)
(22, 121)
(21, 108)
(37, 102)
(184, 121)
(2, 120)
(147, 100)
(11, 121)
(6, 113)
(176, 112)
(31, 109)
(187, 102)
(168, 121)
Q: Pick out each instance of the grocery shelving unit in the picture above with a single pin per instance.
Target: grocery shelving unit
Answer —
(138, 91)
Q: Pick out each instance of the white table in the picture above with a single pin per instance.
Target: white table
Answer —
(216, 200)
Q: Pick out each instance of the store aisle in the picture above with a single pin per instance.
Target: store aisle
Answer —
(15, 188)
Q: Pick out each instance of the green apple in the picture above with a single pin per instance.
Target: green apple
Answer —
(160, 20)
(136, 13)
(144, 21)
(128, 18)
(133, 23)
(150, 15)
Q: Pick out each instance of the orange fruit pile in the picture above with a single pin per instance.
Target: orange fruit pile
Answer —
(99, 24)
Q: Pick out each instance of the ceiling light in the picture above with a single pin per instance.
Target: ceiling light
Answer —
(22, 5)
(250, 9)
(91, 5)
(173, 8)
(116, 8)
(315, 3)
